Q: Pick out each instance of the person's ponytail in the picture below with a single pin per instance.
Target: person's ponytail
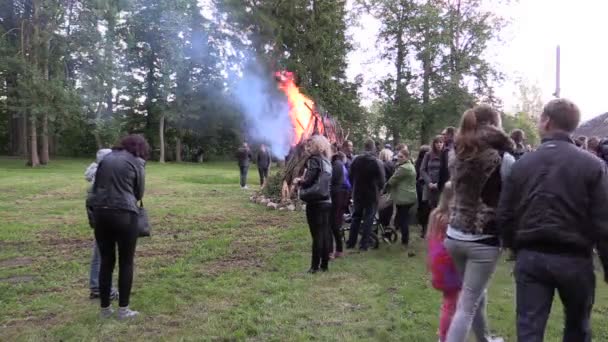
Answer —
(466, 145)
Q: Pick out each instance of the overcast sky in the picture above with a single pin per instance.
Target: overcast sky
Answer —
(528, 51)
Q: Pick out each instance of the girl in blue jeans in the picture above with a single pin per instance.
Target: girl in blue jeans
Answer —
(472, 235)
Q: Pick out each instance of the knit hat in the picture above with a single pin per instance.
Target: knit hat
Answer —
(102, 153)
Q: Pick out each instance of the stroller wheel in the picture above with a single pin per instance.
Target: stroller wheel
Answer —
(391, 235)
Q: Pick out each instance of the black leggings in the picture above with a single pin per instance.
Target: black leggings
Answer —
(317, 215)
(112, 228)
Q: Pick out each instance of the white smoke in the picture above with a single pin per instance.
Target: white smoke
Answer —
(265, 108)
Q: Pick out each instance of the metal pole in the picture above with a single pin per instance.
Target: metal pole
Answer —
(557, 72)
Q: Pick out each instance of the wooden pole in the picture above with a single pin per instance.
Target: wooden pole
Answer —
(557, 73)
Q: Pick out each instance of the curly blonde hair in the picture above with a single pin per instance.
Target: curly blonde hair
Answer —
(385, 155)
(319, 144)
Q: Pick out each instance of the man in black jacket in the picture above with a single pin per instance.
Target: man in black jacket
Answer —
(243, 155)
(263, 160)
(552, 213)
(366, 174)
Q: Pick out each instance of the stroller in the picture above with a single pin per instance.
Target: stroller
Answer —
(380, 231)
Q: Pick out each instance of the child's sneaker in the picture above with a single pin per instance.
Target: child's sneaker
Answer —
(126, 313)
(106, 312)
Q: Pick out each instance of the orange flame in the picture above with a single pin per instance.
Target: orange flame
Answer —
(300, 108)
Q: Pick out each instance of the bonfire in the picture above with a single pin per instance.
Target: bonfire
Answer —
(306, 121)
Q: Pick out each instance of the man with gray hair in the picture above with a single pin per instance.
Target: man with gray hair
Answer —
(552, 214)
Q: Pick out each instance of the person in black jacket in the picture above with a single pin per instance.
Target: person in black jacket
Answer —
(263, 160)
(340, 191)
(119, 185)
(318, 212)
(243, 156)
(552, 213)
(424, 210)
(367, 177)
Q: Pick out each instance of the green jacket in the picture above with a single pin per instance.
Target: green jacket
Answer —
(402, 185)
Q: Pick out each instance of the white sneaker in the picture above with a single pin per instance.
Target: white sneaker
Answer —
(106, 312)
(126, 313)
(496, 339)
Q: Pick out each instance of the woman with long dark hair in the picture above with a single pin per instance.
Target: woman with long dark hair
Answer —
(472, 235)
(430, 170)
(119, 185)
(423, 211)
(318, 210)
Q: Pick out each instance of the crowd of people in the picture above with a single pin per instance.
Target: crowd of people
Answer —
(477, 189)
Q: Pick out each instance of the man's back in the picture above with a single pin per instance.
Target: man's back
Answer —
(555, 195)
(367, 177)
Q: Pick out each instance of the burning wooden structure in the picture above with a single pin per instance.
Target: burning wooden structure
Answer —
(306, 121)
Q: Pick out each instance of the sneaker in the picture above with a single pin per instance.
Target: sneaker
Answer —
(496, 339)
(94, 294)
(312, 270)
(126, 313)
(338, 255)
(106, 312)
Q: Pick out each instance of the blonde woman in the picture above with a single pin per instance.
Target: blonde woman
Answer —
(318, 202)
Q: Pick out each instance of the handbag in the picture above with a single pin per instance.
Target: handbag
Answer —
(143, 224)
(319, 190)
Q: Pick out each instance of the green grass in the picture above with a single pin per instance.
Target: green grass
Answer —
(217, 268)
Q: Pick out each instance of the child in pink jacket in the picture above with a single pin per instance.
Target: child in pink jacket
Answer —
(445, 278)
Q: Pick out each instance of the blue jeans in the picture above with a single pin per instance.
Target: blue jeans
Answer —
(476, 264)
(95, 264)
(537, 276)
(365, 214)
(244, 170)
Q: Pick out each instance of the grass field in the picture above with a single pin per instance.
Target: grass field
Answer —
(217, 268)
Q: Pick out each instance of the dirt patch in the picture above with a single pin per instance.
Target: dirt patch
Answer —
(41, 320)
(242, 256)
(18, 279)
(16, 262)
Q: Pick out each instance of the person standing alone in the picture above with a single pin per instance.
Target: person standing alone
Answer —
(263, 161)
(552, 213)
(244, 157)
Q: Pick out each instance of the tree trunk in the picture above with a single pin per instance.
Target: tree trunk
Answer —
(427, 120)
(98, 140)
(161, 133)
(44, 153)
(34, 160)
(178, 149)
